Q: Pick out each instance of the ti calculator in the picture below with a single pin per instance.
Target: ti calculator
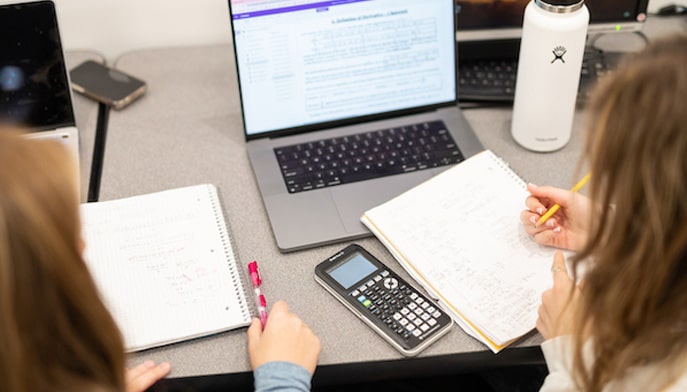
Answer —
(392, 307)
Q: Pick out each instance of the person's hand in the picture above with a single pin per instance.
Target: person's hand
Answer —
(557, 308)
(145, 375)
(568, 228)
(285, 338)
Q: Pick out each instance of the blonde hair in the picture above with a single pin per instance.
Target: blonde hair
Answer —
(55, 333)
(634, 298)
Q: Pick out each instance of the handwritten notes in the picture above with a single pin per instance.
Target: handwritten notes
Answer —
(164, 265)
(459, 235)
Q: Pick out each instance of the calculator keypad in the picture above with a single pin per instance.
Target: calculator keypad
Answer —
(397, 305)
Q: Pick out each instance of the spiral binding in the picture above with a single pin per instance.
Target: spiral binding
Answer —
(508, 169)
(248, 308)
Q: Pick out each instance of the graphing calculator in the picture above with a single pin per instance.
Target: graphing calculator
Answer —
(402, 315)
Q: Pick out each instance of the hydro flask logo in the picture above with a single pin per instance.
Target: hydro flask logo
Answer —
(558, 53)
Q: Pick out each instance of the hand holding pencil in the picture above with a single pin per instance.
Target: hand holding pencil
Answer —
(557, 217)
(557, 206)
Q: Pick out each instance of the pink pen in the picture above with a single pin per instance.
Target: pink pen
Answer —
(256, 281)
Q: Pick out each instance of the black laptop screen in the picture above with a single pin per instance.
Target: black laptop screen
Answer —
(34, 89)
(308, 62)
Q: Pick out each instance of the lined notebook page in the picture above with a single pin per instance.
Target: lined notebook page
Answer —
(460, 236)
(165, 265)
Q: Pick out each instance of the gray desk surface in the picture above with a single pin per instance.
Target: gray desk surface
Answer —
(187, 130)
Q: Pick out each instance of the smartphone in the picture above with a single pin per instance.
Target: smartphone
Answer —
(105, 84)
(392, 307)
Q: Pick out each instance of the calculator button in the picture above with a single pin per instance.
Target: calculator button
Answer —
(355, 293)
(436, 314)
(431, 309)
(413, 296)
(424, 327)
(377, 278)
(425, 316)
(418, 311)
(367, 303)
(417, 333)
(405, 311)
(431, 322)
(390, 283)
(418, 322)
(370, 283)
(384, 273)
(410, 327)
(403, 322)
(412, 306)
(411, 317)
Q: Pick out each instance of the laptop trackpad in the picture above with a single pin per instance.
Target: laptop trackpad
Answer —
(352, 200)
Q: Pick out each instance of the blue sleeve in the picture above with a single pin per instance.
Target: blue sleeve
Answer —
(282, 377)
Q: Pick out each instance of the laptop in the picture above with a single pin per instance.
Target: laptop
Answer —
(34, 84)
(332, 93)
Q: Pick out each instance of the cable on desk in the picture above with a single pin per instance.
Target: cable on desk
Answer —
(98, 152)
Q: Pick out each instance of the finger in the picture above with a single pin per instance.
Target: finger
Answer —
(528, 218)
(552, 195)
(280, 307)
(560, 272)
(148, 378)
(140, 369)
(544, 235)
(534, 204)
(254, 331)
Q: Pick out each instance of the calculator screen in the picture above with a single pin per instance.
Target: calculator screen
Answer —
(352, 271)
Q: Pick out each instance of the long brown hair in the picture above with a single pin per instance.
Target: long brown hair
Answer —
(55, 333)
(634, 296)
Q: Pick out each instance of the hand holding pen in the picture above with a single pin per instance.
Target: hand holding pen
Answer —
(568, 229)
(256, 281)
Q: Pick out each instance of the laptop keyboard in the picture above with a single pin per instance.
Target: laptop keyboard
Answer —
(494, 79)
(368, 155)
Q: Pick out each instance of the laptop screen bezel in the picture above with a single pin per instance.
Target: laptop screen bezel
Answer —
(346, 121)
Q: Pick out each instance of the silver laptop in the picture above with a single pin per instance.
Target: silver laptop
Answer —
(345, 105)
(34, 83)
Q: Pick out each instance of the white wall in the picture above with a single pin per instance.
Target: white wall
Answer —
(115, 26)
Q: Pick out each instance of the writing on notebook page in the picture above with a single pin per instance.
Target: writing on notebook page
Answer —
(164, 265)
(167, 255)
(459, 235)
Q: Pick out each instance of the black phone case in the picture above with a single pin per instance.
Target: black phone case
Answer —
(106, 85)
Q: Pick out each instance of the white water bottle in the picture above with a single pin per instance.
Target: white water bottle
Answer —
(554, 33)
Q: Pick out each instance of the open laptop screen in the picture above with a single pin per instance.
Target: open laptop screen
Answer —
(309, 62)
(34, 89)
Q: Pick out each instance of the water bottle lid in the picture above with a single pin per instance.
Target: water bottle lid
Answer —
(560, 6)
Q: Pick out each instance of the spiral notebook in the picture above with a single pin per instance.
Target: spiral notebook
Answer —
(165, 265)
(459, 235)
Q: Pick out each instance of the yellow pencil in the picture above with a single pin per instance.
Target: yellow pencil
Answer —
(556, 207)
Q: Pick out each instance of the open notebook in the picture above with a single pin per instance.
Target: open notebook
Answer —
(165, 265)
(459, 235)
